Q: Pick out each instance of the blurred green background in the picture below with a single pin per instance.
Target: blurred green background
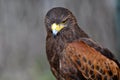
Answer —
(22, 33)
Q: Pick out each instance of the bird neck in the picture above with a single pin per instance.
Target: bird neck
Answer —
(57, 44)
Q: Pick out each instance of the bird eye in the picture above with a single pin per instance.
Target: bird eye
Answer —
(63, 22)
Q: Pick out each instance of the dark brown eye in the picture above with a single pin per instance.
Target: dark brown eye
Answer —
(64, 21)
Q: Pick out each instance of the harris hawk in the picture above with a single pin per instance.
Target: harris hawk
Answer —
(72, 54)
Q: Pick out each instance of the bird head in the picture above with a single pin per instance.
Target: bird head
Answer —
(57, 19)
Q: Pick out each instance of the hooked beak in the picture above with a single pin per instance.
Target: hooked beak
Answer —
(56, 28)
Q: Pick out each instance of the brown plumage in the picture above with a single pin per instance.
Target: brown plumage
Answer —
(72, 54)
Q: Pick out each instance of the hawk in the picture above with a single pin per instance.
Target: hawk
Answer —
(72, 54)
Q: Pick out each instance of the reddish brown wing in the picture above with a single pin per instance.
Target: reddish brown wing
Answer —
(91, 63)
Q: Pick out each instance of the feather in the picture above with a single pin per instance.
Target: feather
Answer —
(72, 54)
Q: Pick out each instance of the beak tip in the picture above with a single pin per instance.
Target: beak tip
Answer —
(54, 32)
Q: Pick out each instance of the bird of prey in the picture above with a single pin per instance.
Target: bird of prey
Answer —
(72, 54)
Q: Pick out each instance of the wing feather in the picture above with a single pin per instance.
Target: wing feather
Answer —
(90, 62)
(103, 51)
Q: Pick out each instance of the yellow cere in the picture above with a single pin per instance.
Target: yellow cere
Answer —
(57, 27)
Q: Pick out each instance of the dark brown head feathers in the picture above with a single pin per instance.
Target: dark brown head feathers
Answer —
(72, 54)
